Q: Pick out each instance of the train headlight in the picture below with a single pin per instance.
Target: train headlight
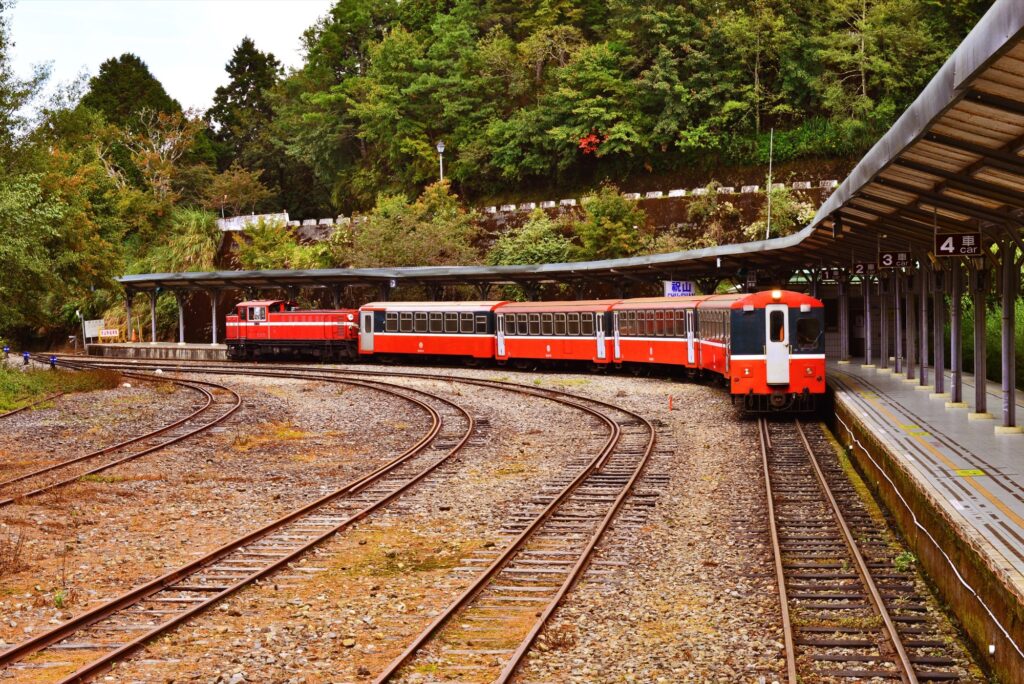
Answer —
(776, 295)
(746, 371)
(809, 371)
(351, 317)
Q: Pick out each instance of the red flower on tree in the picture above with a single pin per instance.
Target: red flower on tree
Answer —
(590, 142)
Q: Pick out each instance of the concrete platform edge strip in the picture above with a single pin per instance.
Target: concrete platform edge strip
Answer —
(931, 538)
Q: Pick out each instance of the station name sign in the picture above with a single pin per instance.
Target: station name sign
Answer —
(679, 288)
(957, 244)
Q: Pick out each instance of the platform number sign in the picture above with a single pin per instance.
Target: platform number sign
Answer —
(864, 268)
(679, 288)
(831, 274)
(957, 244)
(894, 259)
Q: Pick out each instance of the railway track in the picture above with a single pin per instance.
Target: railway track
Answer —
(94, 640)
(852, 610)
(49, 397)
(519, 586)
(219, 402)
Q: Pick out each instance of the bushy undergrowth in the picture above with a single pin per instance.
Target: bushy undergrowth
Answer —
(993, 339)
(18, 387)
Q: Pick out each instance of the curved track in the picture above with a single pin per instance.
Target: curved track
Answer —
(123, 625)
(219, 403)
(552, 538)
(849, 612)
(37, 402)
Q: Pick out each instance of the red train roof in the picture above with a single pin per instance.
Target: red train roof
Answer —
(566, 305)
(431, 306)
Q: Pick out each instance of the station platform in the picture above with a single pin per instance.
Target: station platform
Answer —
(161, 351)
(956, 489)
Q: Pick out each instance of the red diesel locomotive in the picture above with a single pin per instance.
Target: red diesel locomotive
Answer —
(274, 327)
(768, 347)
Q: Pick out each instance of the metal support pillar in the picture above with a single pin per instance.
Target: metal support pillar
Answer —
(291, 292)
(844, 321)
(898, 321)
(979, 285)
(128, 295)
(883, 322)
(385, 291)
(152, 317)
(214, 295)
(939, 329)
(1011, 280)
(922, 293)
(956, 356)
(181, 318)
(865, 287)
(911, 326)
(336, 296)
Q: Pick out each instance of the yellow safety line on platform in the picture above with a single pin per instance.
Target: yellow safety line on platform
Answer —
(968, 475)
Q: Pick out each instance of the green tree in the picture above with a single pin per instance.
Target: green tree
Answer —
(237, 191)
(540, 240)
(190, 244)
(271, 245)
(123, 88)
(15, 93)
(434, 230)
(612, 227)
(241, 113)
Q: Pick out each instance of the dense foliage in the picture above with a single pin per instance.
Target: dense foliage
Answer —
(112, 176)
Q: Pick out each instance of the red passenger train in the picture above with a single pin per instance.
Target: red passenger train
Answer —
(768, 347)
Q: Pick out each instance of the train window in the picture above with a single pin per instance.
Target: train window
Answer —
(659, 323)
(481, 324)
(777, 326)
(560, 324)
(573, 325)
(241, 313)
(587, 324)
(258, 313)
(451, 322)
(405, 322)
(421, 321)
(510, 324)
(808, 330)
(391, 322)
(679, 322)
(436, 322)
(546, 324)
(633, 330)
(535, 324)
(649, 316)
(521, 328)
(466, 323)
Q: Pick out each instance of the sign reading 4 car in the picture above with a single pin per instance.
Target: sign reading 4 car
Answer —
(958, 244)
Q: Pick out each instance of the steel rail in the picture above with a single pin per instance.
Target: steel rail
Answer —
(207, 396)
(135, 455)
(780, 574)
(168, 580)
(907, 672)
(26, 407)
(484, 577)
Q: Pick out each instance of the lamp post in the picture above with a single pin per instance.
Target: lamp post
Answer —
(440, 157)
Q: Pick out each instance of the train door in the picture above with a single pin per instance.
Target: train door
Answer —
(366, 331)
(599, 323)
(500, 334)
(615, 332)
(776, 348)
(258, 329)
(691, 348)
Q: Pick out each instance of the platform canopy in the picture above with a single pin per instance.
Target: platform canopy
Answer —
(952, 163)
